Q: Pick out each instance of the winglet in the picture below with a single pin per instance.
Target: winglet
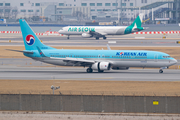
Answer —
(40, 52)
(108, 47)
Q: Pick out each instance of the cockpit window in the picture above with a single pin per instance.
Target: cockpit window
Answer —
(166, 56)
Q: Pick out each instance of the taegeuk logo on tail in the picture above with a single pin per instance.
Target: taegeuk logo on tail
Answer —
(30, 39)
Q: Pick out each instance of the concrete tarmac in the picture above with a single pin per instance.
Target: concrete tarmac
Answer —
(123, 40)
(77, 73)
(30, 70)
(19, 115)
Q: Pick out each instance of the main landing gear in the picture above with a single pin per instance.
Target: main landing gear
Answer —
(89, 70)
(68, 37)
(100, 71)
(97, 38)
(161, 69)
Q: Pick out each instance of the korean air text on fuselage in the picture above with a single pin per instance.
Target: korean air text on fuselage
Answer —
(132, 53)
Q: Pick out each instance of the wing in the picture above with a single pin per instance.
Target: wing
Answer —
(76, 61)
(97, 33)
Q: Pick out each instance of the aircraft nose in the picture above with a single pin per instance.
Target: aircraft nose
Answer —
(60, 31)
(173, 61)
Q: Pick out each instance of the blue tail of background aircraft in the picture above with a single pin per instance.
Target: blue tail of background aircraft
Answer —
(31, 41)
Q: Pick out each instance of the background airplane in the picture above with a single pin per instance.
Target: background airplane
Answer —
(99, 60)
(102, 31)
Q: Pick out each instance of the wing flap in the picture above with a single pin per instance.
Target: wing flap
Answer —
(75, 60)
(102, 33)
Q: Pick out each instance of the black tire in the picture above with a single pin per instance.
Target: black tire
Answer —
(100, 71)
(104, 38)
(67, 37)
(97, 38)
(89, 70)
(160, 71)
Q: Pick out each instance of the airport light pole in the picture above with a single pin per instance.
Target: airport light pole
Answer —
(152, 16)
(118, 16)
(54, 88)
(121, 13)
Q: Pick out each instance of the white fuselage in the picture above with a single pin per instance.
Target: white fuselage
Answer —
(104, 30)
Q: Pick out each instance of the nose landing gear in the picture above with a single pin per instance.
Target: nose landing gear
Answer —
(161, 69)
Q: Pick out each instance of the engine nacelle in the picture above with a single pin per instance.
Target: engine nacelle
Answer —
(101, 66)
(120, 68)
(86, 35)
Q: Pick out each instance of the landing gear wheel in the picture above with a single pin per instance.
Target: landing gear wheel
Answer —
(68, 37)
(100, 71)
(89, 70)
(104, 37)
(97, 38)
(160, 71)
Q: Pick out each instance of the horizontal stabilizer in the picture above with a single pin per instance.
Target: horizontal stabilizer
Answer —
(29, 52)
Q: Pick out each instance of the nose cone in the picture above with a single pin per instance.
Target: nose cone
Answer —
(60, 31)
(173, 61)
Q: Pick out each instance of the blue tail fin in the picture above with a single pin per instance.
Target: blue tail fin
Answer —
(31, 41)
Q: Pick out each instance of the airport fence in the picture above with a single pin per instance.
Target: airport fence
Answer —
(105, 93)
(90, 103)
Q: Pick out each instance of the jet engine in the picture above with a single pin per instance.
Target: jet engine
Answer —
(101, 66)
(120, 68)
(86, 35)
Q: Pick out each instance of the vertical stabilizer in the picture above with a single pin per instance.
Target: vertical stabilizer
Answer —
(31, 41)
(138, 21)
(135, 26)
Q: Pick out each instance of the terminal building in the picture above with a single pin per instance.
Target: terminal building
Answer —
(98, 10)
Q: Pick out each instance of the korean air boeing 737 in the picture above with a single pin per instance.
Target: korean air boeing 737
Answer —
(98, 60)
(102, 31)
